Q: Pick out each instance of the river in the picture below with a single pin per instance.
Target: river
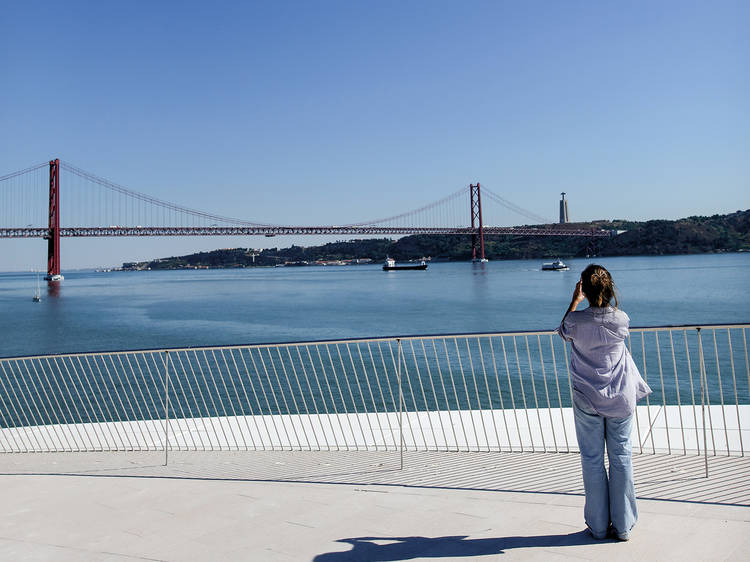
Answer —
(96, 311)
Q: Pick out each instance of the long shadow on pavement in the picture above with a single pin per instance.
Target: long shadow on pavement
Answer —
(383, 549)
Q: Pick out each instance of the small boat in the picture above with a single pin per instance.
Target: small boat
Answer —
(56, 277)
(390, 265)
(557, 265)
(38, 295)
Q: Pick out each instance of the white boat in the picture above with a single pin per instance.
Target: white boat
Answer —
(557, 265)
(390, 265)
(57, 277)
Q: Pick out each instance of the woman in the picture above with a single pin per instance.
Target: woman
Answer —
(606, 386)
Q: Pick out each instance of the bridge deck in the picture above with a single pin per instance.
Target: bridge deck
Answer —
(260, 230)
(318, 506)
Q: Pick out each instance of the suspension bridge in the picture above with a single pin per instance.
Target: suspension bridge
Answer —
(94, 206)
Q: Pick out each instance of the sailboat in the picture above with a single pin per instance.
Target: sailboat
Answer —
(38, 294)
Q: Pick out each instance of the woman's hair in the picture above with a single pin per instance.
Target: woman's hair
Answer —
(598, 286)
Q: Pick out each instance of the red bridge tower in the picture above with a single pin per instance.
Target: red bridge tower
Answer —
(475, 196)
(53, 236)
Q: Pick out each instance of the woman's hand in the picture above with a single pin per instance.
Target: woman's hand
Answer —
(578, 295)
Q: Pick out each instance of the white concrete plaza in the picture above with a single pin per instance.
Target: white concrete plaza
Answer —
(337, 506)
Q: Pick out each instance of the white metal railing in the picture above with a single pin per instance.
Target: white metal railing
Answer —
(506, 391)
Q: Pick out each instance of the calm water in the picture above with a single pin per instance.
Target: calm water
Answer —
(133, 310)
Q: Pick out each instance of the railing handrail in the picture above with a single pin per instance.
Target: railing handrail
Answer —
(408, 337)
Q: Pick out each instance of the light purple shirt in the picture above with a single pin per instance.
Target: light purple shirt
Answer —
(605, 377)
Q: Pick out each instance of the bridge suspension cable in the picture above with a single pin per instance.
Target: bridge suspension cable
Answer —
(147, 199)
(513, 207)
(24, 197)
(24, 171)
(425, 210)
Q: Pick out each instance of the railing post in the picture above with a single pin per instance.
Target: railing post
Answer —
(702, 367)
(166, 407)
(400, 406)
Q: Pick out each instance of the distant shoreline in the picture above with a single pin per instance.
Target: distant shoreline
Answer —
(692, 235)
(198, 268)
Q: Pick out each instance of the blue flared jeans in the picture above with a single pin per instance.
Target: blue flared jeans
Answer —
(610, 499)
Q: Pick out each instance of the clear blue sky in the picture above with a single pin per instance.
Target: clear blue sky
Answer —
(334, 112)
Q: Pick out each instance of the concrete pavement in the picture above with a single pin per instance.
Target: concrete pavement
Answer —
(341, 506)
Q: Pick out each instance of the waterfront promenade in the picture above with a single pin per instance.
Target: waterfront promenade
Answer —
(340, 506)
(293, 451)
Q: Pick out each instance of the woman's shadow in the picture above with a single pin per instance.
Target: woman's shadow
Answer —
(384, 549)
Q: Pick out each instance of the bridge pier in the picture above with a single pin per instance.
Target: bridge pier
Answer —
(53, 235)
